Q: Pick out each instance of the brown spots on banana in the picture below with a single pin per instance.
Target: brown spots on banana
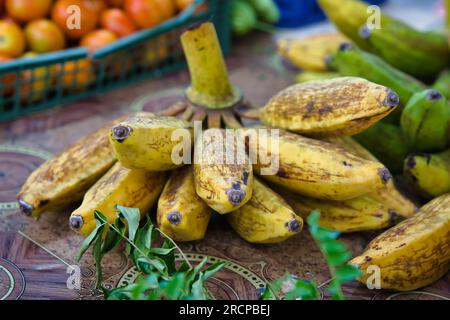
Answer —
(76, 222)
(120, 132)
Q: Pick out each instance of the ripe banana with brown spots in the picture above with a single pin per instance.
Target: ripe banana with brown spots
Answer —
(182, 214)
(340, 106)
(388, 195)
(414, 253)
(225, 184)
(310, 53)
(119, 186)
(150, 143)
(312, 167)
(65, 178)
(266, 218)
(359, 214)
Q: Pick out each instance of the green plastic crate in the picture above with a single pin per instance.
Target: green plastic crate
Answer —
(37, 83)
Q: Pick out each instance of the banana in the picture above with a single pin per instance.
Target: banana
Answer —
(311, 167)
(414, 253)
(386, 142)
(358, 214)
(351, 61)
(181, 214)
(119, 186)
(224, 183)
(421, 54)
(349, 16)
(307, 76)
(425, 120)
(63, 179)
(341, 106)
(442, 84)
(149, 143)
(266, 218)
(388, 195)
(310, 53)
(429, 173)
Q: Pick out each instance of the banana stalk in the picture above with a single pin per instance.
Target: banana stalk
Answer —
(210, 86)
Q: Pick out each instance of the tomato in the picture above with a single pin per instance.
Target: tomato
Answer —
(97, 39)
(27, 10)
(75, 24)
(149, 13)
(117, 21)
(44, 36)
(12, 39)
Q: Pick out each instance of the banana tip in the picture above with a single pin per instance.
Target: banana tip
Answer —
(365, 32)
(294, 225)
(434, 95)
(344, 46)
(174, 217)
(76, 222)
(392, 100)
(120, 132)
(236, 195)
(385, 175)
(25, 207)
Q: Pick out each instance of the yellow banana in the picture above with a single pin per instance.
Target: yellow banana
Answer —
(266, 218)
(224, 183)
(414, 253)
(182, 214)
(119, 186)
(150, 142)
(64, 179)
(388, 195)
(359, 214)
(310, 53)
(314, 168)
(429, 173)
(340, 106)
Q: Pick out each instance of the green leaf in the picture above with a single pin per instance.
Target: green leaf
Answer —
(336, 259)
(175, 286)
(97, 232)
(148, 264)
(333, 247)
(132, 216)
(162, 251)
(97, 253)
(198, 289)
(113, 238)
(169, 258)
(347, 273)
(324, 235)
(213, 269)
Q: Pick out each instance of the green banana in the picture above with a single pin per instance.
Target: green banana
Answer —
(429, 173)
(424, 121)
(422, 54)
(351, 61)
(442, 83)
(385, 141)
(349, 16)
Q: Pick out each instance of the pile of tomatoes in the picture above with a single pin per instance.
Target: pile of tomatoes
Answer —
(32, 27)
(42, 26)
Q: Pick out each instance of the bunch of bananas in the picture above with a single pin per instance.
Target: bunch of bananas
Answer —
(144, 161)
(412, 140)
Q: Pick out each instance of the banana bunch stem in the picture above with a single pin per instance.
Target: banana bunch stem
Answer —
(210, 85)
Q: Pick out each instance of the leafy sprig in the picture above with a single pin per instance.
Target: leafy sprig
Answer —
(336, 255)
(161, 278)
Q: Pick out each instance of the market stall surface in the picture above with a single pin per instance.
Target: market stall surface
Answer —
(36, 255)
